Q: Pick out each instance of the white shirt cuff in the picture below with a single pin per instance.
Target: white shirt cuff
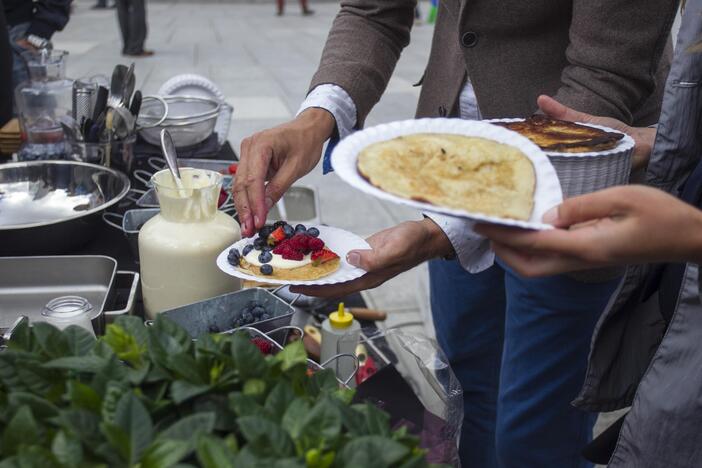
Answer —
(336, 101)
(472, 250)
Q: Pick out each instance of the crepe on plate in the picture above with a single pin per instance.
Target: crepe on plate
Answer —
(468, 173)
(307, 272)
(561, 136)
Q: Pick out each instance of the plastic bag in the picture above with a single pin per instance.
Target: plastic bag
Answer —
(413, 381)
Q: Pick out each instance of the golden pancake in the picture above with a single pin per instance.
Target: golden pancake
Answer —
(307, 272)
(563, 137)
(468, 173)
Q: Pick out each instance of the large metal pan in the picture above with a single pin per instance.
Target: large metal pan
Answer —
(53, 207)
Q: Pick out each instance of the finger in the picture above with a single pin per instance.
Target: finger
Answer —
(556, 110)
(539, 264)
(239, 193)
(366, 260)
(281, 181)
(255, 183)
(588, 207)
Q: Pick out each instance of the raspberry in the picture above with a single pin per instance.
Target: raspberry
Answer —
(264, 346)
(315, 244)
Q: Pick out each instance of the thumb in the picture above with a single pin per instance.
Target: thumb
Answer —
(364, 259)
(588, 207)
(556, 110)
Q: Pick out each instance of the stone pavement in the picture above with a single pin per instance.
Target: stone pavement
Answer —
(263, 65)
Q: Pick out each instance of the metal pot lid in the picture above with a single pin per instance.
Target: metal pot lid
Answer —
(41, 193)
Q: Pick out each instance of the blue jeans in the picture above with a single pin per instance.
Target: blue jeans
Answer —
(519, 347)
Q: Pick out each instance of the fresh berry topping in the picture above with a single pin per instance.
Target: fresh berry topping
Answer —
(247, 249)
(276, 236)
(266, 269)
(265, 256)
(264, 346)
(233, 257)
(300, 229)
(314, 243)
(278, 224)
(259, 242)
(233, 251)
(232, 168)
(289, 231)
(313, 231)
(323, 256)
(286, 251)
(265, 231)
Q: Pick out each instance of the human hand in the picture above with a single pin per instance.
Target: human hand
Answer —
(617, 226)
(393, 251)
(279, 155)
(26, 45)
(643, 136)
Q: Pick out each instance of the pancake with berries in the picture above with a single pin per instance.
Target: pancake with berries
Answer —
(284, 252)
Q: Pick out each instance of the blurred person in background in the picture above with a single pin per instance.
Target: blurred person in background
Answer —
(31, 24)
(5, 70)
(518, 346)
(131, 15)
(303, 4)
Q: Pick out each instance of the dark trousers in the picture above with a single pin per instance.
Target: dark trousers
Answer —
(519, 348)
(6, 87)
(132, 23)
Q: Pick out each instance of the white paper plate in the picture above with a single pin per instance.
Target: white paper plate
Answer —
(338, 240)
(546, 195)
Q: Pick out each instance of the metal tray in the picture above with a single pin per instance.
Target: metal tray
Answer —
(27, 284)
(216, 314)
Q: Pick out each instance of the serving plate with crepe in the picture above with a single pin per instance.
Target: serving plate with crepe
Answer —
(546, 188)
(337, 240)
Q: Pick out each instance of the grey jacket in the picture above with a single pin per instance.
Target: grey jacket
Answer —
(635, 358)
(597, 56)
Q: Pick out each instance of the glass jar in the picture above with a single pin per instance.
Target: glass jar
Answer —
(43, 103)
(178, 247)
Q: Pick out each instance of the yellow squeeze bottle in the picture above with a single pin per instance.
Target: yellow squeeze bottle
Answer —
(340, 335)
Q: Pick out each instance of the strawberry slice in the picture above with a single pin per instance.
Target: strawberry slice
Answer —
(276, 236)
(323, 256)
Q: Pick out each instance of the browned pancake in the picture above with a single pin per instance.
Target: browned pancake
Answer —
(563, 137)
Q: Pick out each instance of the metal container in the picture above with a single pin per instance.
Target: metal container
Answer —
(29, 284)
(301, 205)
(217, 314)
(52, 207)
(130, 223)
(190, 120)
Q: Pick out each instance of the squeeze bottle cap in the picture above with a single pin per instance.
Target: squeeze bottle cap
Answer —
(341, 318)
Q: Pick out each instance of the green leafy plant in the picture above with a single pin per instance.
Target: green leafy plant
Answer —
(150, 397)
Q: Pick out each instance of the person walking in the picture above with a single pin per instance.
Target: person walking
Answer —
(131, 15)
(303, 4)
(519, 346)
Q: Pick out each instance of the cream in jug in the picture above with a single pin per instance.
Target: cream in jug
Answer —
(178, 247)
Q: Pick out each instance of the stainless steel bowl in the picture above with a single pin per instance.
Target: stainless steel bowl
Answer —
(51, 207)
(190, 120)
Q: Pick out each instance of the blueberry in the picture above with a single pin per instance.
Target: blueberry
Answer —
(247, 249)
(288, 230)
(236, 323)
(247, 318)
(277, 224)
(266, 248)
(233, 258)
(265, 231)
(266, 269)
(313, 231)
(259, 242)
(265, 257)
(233, 251)
(258, 311)
(247, 310)
(265, 317)
(300, 229)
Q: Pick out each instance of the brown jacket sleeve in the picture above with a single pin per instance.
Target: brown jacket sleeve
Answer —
(363, 47)
(614, 51)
